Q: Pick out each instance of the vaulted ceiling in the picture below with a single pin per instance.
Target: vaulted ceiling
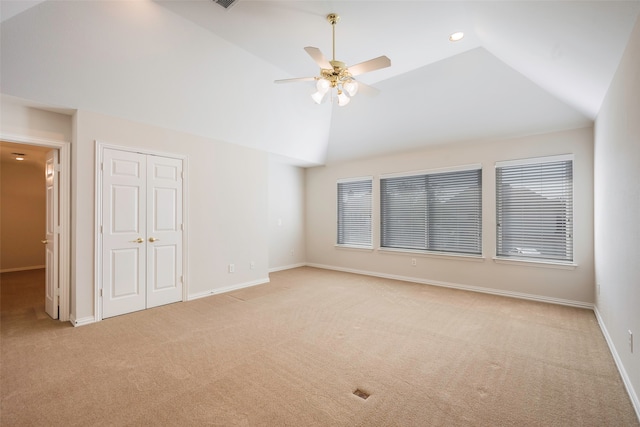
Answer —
(522, 68)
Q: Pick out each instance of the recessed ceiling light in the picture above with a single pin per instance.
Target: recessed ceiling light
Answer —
(456, 36)
(19, 156)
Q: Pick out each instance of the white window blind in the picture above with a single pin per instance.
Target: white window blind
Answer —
(403, 212)
(534, 205)
(354, 212)
(439, 212)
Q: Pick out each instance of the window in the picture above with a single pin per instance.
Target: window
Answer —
(440, 212)
(354, 212)
(534, 206)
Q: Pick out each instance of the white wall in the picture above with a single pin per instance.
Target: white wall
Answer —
(227, 205)
(21, 118)
(617, 214)
(286, 214)
(560, 285)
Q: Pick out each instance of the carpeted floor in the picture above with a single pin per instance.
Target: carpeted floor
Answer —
(294, 351)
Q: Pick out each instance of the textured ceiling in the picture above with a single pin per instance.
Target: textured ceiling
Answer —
(522, 68)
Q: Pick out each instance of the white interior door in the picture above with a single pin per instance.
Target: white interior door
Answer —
(51, 238)
(124, 205)
(164, 230)
(141, 231)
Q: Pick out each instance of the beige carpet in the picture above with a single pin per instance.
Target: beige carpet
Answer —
(292, 353)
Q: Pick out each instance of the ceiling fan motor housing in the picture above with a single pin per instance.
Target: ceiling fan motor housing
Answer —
(339, 73)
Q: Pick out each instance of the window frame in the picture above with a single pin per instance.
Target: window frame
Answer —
(535, 260)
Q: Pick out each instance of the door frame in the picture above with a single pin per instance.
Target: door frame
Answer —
(64, 206)
(99, 154)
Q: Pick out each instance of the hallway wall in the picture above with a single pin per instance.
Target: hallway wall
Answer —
(22, 210)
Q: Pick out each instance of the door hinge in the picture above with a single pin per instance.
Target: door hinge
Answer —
(100, 293)
(57, 292)
(181, 227)
(181, 279)
(57, 167)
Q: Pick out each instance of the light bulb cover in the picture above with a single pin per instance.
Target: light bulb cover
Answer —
(343, 99)
(318, 97)
(323, 86)
(351, 87)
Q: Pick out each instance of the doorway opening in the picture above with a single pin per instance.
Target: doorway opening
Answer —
(39, 216)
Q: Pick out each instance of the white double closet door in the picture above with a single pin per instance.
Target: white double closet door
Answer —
(141, 231)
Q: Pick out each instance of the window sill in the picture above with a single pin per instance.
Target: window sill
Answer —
(536, 263)
(442, 255)
(354, 247)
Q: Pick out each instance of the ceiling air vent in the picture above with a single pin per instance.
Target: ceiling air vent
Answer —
(225, 3)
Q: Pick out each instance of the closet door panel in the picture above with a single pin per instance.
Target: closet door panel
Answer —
(124, 249)
(164, 230)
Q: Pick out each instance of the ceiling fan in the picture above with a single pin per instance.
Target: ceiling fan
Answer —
(335, 74)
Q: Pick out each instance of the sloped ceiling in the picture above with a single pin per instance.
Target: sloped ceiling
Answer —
(193, 66)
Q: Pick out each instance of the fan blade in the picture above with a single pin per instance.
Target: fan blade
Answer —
(298, 79)
(367, 90)
(318, 57)
(370, 65)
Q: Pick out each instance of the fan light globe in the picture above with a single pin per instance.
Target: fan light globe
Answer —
(351, 87)
(323, 86)
(318, 96)
(343, 99)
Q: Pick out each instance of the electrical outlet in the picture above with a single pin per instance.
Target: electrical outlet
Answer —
(252, 265)
(292, 251)
(413, 262)
(630, 341)
(232, 268)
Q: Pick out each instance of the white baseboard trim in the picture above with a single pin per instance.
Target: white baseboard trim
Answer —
(227, 289)
(616, 357)
(82, 321)
(33, 267)
(480, 289)
(287, 267)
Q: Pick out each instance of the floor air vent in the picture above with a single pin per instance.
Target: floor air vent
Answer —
(361, 394)
(225, 3)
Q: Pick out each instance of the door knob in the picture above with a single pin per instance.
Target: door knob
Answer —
(153, 239)
(138, 240)
(44, 241)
